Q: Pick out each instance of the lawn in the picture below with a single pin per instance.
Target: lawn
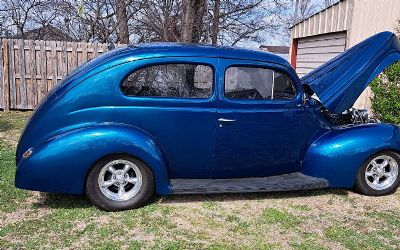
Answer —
(322, 219)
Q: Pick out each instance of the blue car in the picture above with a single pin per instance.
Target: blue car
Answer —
(185, 119)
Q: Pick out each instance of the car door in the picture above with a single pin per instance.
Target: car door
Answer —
(262, 125)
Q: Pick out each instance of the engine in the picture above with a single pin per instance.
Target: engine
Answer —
(352, 116)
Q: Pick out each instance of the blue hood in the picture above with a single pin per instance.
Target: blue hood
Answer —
(339, 82)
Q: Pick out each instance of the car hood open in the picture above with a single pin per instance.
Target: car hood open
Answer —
(339, 82)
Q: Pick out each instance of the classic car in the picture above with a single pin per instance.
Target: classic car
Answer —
(182, 119)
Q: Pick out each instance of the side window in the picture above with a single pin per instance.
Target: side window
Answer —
(170, 80)
(257, 84)
(283, 87)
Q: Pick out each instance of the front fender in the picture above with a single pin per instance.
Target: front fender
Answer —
(62, 163)
(338, 154)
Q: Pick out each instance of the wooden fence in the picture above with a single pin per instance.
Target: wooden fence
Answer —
(29, 69)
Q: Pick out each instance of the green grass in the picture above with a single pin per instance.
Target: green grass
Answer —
(11, 197)
(284, 218)
(362, 239)
(323, 219)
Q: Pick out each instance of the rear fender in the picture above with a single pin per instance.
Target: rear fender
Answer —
(72, 154)
(338, 154)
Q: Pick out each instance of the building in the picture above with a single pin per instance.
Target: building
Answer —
(282, 51)
(47, 33)
(331, 31)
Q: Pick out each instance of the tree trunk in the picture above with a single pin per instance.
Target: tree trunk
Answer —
(192, 20)
(215, 24)
(122, 22)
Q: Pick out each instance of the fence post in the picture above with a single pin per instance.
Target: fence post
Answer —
(6, 83)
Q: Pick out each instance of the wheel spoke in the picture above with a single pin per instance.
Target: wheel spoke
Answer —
(383, 164)
(369, 173)
(126, 168)
(106, 184)
(121, 190)
(374, 164)
(112, 169)
(132, 180)
(376, 180)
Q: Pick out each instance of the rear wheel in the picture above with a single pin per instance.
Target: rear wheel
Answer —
(119, 182)
(379, 175)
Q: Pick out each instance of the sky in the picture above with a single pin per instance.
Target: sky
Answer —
(282, 37)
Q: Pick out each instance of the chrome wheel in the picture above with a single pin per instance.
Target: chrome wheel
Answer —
(120, 180)
(381, 173)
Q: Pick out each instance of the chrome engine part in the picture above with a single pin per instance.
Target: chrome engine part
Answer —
(353, 116)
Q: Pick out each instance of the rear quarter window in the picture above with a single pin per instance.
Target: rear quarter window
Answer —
(170, 80)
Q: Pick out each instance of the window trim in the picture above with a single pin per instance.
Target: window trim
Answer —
(213, 87)
(273, 84)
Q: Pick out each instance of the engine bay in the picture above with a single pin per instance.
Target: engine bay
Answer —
(351, 116)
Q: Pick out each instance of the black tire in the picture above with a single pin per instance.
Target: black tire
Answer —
(361, 185)
(100, 200)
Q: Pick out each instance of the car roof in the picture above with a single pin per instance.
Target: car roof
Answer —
(131, 53)
(201, 50)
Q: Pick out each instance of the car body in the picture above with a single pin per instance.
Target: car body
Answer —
(209, 134)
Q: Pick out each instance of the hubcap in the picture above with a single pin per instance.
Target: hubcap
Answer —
(120, 180)
(381, 172)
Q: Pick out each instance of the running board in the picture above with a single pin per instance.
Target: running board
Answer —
(286, 182)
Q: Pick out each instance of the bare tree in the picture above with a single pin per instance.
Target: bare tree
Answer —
(215, 21)
(158, 20)
(21, 14)
(122, 21)
(329, 2)
(296, 10)
(98, 20)
(249, 19)
(192, 20)
(306, 9)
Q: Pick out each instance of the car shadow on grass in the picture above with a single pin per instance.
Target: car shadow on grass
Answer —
(55, 200)
(252, 196)
(52, 200)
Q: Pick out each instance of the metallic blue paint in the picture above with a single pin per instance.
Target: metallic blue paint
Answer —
(86, 117)
(61, 163)
(268, 137)
(339, 82)
(337, 154)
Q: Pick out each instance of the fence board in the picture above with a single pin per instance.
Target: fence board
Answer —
(29, 69)
(11, 65)
(5, 80)
(2, 85)
(32, 91)
(22, 82)
(53, 57)
(74, 57)
(64, 68)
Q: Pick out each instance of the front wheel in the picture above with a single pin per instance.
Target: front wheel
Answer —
(119, 182)
(379, 175)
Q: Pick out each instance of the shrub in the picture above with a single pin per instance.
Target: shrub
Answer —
(386, 98)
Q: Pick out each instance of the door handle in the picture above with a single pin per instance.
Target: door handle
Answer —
(226, 120)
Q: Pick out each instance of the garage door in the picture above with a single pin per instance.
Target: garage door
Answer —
(316, 50)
